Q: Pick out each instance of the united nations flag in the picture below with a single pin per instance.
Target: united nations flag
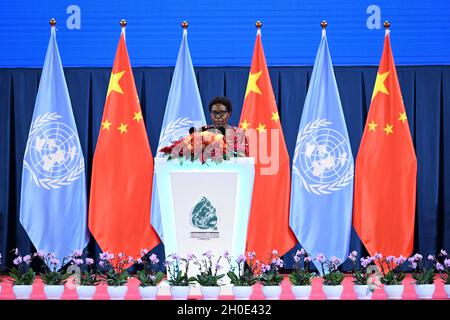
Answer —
(53, 195)
(322, 169)
(183, 111)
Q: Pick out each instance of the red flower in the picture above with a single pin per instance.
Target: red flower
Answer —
(206, 146)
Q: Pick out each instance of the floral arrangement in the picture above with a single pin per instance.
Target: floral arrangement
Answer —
(390, 267)
(361, 277)
(208, 276)
(421, 273)
(148, 276)
(89, 276)
(243, 272)
(301, 276)
(270, 275)
(54, 273)
(115, 271)
(22, 273)
(178, 268)
(205, 146)
(331, 274)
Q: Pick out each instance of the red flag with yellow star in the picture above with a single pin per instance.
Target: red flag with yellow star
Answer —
(122, 170)
(268, 226)
(386, 169)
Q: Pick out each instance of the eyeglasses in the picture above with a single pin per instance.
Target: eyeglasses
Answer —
(219, 113)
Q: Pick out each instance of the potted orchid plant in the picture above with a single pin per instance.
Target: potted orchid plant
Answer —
(178, 279)
(392, 277)
(54, 275)
(115, 273)
(148, 276)
(423, 276)
(242, 275)
(443, 266)
(301, 276)
(86, 280)
(270, 276)
(22, 275)
(207, 278)
(361, 277)
(331, 276)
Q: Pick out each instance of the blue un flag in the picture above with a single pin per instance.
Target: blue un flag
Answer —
(183, 111)
(53, 195)
(322, 170)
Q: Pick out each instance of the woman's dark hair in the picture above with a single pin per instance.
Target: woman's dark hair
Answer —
(221, 100)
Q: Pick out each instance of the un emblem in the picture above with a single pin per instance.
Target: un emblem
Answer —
(325, 158)
(204, 215)
(53, 153)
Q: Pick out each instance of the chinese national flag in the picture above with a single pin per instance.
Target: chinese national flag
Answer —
(386, 169)
(119, 209)
(268, 227)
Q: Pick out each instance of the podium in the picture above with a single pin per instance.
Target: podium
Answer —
(205, 206)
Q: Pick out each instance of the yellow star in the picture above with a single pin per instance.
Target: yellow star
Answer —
(244, 125)
(106, 124)
(402, 117)
(388, 129)
(122, 128)
(372, 126)
(275, 116)
(251, 84)
(261, 128)
(114, 83)
(379, 84)
(138, 116)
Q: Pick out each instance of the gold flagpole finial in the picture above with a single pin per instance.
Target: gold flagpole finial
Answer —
(184, 25)
(52, 22)
(258, 24)
(123, 23)
(386, 25)
(323, 24)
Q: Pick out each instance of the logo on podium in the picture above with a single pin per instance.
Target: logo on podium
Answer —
(204, 217)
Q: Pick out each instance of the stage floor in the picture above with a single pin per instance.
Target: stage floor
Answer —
(317, 293)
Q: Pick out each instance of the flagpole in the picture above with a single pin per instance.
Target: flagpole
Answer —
(123, 24)
(324, 25)
(184, 25)
(387, 25)
(258, 25)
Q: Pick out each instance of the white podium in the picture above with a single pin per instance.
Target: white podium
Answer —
(205, 206)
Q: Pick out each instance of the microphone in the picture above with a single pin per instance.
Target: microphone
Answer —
(202, 129)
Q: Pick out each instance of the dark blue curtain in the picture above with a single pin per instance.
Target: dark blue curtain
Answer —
(426, 94)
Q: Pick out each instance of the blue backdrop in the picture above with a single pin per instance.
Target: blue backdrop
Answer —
(222, 33)
(425, 93)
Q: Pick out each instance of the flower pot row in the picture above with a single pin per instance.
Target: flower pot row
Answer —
(23, 292)
(363, 292)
